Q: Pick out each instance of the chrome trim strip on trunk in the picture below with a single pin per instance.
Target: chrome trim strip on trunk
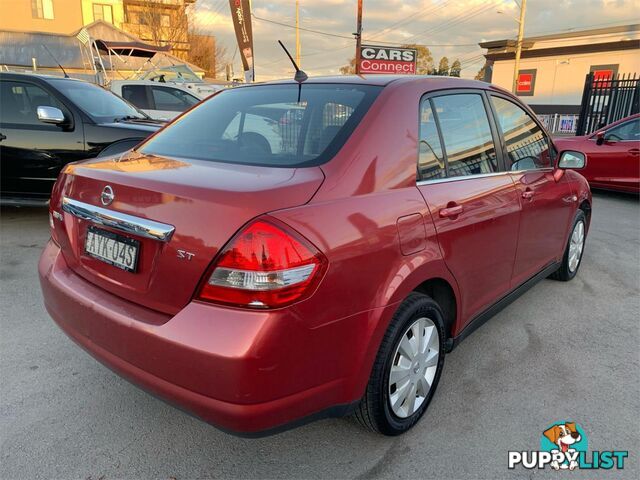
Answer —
(119, 221)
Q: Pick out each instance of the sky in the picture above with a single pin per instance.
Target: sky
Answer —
(449, 28)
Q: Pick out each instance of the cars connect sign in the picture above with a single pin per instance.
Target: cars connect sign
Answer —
(390, 60)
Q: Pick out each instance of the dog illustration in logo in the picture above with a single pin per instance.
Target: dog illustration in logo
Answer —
(564, 436)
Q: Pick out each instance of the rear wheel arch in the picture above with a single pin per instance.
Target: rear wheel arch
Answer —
(444, 295)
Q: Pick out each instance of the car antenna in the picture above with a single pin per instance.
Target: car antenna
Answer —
(300, 76)
(56, 60)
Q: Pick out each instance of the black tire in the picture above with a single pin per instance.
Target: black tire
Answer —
(374, 411)
(564, 273)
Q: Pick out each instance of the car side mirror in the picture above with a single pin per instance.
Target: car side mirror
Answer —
(51, 115)
(570, 159)
(600, 138)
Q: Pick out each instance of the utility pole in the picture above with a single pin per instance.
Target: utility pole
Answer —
(358, 36)
(516, 67)
(297, 33)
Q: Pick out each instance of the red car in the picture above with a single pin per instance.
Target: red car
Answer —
(614, 155)
(261, 272)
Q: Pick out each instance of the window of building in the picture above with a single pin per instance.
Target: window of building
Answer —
(131, 15)
(165, 20)
(42, 9)
(527, 145)
(102, 12)
(466, 134)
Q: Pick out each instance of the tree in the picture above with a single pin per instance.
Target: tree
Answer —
(424, 62)
(443, 67)
(160, 22)
(456, 68)
(481, 73)
(349, 69)
(207, 53)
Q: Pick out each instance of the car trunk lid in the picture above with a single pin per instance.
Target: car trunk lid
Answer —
(203, 204)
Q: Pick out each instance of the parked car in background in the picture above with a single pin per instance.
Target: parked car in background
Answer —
(614, 155)
(47, 122)
(162, 101)
(263, 282)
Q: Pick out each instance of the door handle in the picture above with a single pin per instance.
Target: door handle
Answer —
(634, 151)
(2, 137)
(528, 194)
(452, 211)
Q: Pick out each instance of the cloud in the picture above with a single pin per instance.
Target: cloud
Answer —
(431, 22)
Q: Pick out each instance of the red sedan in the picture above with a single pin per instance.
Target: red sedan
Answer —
(614, 155)
(288, 251)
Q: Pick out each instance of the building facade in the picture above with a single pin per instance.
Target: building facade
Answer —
(553, 68)
(159, 22)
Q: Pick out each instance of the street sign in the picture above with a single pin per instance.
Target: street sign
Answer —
(388, 60)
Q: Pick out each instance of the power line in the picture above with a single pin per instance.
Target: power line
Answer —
(457, 20)
(301, 28)
(410, 18)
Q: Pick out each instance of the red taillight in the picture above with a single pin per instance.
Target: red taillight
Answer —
(264, 266)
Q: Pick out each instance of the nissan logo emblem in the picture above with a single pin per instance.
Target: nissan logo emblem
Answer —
(107, 196)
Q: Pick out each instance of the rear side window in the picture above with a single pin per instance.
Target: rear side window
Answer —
(274, 125)
(527, 144)
(430, 160)
(466, 134)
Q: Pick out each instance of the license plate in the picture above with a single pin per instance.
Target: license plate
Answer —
(111, 248)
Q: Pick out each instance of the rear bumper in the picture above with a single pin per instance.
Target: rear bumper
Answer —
(247, 372)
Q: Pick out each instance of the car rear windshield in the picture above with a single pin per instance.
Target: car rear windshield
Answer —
(100, 104)
(272, 125)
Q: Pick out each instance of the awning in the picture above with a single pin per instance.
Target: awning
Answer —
(133, 49)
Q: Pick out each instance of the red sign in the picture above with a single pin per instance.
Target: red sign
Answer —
(387, 60)
(600, 78)
(525, 82)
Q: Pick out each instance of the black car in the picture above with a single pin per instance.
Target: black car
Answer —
(47, 122)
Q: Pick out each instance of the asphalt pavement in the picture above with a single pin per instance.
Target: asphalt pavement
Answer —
(563, 351)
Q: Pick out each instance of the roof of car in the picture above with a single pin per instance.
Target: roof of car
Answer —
(42, 76)
(383, 80)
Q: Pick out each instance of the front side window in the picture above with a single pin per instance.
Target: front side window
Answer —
(136, 95)
(527, 145)
(172, 99)
(100, 104)
(430, 159)
(625, 131)
(273, 125)
(20, 102)
(466, 134)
